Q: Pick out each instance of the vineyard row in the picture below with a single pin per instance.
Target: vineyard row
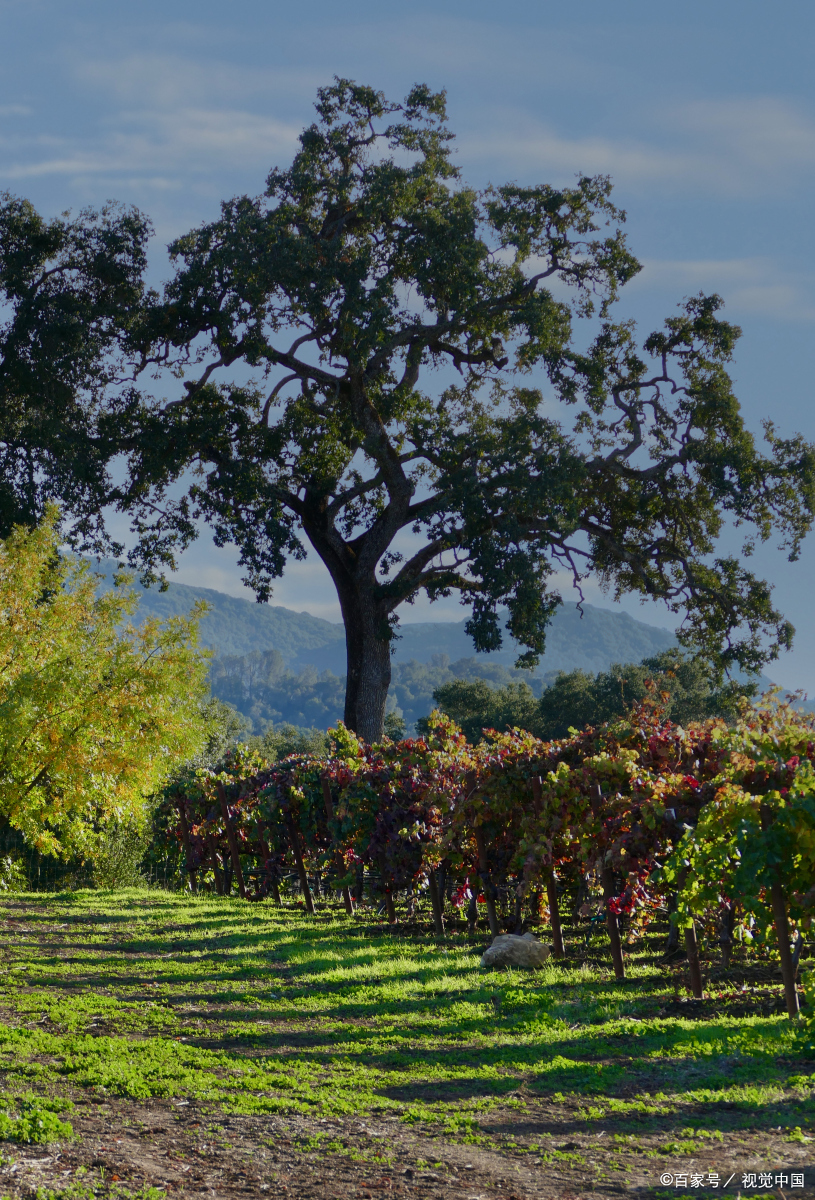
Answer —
(715, 823)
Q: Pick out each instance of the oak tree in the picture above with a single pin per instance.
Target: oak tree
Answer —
(428, 384)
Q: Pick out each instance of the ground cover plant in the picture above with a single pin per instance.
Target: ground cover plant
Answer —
(203, 1043)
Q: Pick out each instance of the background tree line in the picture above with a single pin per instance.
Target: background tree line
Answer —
(265, 691)
(474, 693)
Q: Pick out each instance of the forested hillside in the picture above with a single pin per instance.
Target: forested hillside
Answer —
(235, 626)
(279, 666)
(261, 686)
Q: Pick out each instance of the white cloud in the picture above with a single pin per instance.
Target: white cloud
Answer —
(730, 147)
(538, 152)
(170, 115)
(151, 144)
(165, 123)
(754, 285)
(762, 134)
(166, 81)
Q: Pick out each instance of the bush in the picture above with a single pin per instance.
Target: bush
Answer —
(117, 861)
(12, 875)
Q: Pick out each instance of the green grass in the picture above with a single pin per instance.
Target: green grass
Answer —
(251, 1009)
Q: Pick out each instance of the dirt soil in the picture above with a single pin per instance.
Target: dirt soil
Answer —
(170, 1146)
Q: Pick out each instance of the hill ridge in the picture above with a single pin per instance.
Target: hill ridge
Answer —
(236, 626)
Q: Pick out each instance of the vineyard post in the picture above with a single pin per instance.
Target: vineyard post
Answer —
(486, 882)
(185, 835)
(233, 841)
(216, 870)
(389, 905)
(298, 860)
(338, 861)
(727, 926)
(436, 902)
(607, 876)
(472, 910)
(558, 948)
(518, 912)
(692, 951)
(691, 946)
(782, 931)
(612, 924)
(673, 926)
(264, 850)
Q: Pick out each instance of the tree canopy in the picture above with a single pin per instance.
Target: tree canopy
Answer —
(93, 716)
(71, 290)
(429, 385)
(684, 690)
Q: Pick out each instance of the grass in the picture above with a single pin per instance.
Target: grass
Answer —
(250, 1010)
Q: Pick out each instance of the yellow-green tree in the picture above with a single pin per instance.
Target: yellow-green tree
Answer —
(94, 712)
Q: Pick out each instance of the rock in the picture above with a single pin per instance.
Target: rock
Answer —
(509, 950)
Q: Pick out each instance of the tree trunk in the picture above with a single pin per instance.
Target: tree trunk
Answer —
(365, 617)
(353, 563)
(368, 656)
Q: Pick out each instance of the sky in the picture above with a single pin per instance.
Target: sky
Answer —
(703, 115)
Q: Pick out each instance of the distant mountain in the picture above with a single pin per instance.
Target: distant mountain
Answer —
(237, 626)
(234, 626)
(591, 641)
(276, 665)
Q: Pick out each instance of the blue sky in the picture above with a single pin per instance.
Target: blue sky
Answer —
(703, 114)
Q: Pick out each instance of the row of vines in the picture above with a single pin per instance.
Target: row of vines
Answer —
(716, 824)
